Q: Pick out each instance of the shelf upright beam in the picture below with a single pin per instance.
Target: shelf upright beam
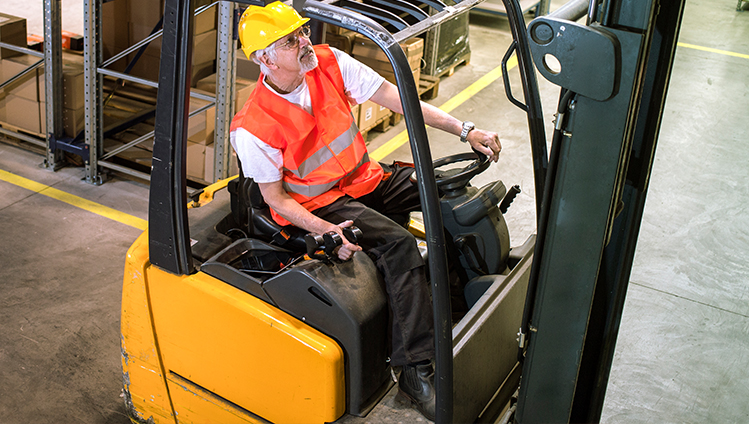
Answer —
(225, 81)
(93, 82)
(53, 82)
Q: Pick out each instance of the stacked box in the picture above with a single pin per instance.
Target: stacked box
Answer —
(12, 31)
(242, 89)
(371, 55)
(342, 39)
(367, 52)
(126, 22)
(246, 68)
(23, 101)
(367, 115)
(200, 133)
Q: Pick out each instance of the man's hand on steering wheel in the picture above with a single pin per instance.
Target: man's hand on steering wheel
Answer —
(486, 142)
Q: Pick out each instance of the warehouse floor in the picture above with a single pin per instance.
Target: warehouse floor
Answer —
(683, 348)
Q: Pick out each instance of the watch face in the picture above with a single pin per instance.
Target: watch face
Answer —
(467, 127)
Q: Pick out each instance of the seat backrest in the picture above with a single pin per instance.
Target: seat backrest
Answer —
(252, 212)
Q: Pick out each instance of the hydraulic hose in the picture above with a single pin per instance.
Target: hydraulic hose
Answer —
(530, 298)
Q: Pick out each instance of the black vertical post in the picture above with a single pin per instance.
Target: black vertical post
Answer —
(168, 229)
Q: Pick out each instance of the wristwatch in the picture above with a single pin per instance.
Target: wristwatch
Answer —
(467, 127)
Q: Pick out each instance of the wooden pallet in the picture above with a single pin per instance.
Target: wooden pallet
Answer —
(381, 125)
(20, 130)
(465, 60)
(429, 87)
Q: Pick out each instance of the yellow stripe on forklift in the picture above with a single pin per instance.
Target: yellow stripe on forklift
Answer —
(394, 143)
(73, 200)
(711, 50)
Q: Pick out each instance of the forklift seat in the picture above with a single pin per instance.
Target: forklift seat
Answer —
(251, 211)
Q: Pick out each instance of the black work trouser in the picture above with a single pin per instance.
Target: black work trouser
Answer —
(396, 255)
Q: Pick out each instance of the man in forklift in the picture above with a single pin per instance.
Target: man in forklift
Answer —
(295, 136)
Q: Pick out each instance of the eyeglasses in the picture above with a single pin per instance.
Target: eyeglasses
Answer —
(293, 41)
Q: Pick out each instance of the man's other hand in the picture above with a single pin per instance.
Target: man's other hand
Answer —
(347, 249)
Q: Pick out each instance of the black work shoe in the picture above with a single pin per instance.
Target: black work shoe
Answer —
(417, 384)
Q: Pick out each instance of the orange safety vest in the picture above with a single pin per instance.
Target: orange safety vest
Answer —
(324, 155)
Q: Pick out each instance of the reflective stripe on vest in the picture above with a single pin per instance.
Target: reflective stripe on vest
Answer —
(325, 153)
(318, 189)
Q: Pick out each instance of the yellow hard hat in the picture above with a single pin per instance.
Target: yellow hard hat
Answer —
(260, 26)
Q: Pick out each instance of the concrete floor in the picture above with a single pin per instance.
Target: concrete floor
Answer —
(682, 349)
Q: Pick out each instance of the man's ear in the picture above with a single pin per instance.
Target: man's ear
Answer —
(264, 59)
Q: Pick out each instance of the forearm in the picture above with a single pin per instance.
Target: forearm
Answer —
(284, 205)
(486, 142)
(291, 210)
(387, 96)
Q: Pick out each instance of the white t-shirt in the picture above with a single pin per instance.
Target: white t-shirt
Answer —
(262, 162)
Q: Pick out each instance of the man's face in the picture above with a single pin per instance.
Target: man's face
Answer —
(294, 52)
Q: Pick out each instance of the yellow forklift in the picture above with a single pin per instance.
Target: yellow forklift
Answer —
(228, 317)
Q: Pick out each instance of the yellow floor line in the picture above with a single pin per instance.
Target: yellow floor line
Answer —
(402, 138)
(711, 50)
(73, 200)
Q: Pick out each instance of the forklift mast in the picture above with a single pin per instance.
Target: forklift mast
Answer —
(614, 71)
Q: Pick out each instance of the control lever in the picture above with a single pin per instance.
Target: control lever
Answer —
(509, 197)
(322, 246)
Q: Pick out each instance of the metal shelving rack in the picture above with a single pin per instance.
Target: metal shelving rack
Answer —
(91, 148)
(95, 68)
(52, 62)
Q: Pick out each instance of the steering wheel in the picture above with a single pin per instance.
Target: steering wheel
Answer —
(457, 178)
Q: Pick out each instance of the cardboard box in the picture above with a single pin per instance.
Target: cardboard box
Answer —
(364, 48)
(233, 163)
(206, 20)
(139, 31)
(202, 70)
(147, 66)
(73, 121)
(144, 12)
(209, 162)
(204, 47)
(195, 160)
(333, 29)
(73, 93)
(242, 89)
(43, 117)
(343, 40)
(367, 115)
(23, 113)
(246, 68)
(26, 86)
(73, 84)
(200, 125)
(390, 75)
(115, 28)
(12, 31)
(369, 54)
(382, 112)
